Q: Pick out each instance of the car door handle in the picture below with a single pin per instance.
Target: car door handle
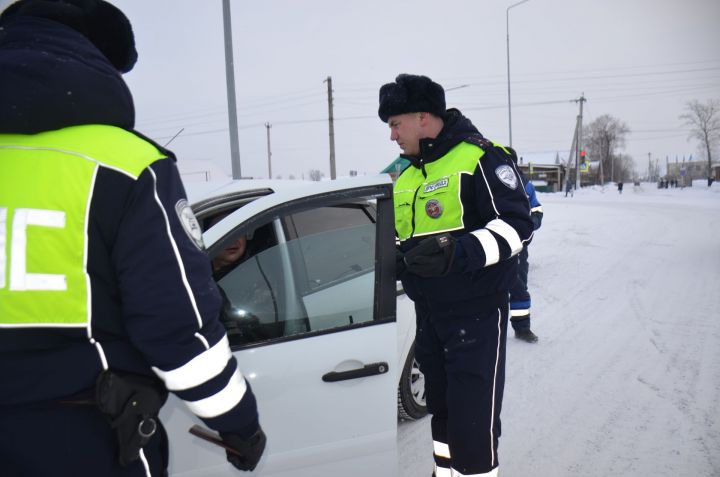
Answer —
(367, 370)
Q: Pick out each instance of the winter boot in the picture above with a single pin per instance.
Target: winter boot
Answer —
(526, 335)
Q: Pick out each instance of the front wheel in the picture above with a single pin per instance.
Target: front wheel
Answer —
(411, 391)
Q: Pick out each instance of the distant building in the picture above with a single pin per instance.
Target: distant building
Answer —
(686, 172)
(545, 177)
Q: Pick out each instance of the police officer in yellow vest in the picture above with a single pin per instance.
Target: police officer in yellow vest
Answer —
(107, 301)
(461, 217)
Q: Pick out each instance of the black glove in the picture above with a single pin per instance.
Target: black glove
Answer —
(432, 257)
(247, 451)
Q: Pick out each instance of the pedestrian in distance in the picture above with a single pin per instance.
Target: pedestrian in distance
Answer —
(107, 300)
(569, 187)
(620, 187)
(461, 218)
(520, 301)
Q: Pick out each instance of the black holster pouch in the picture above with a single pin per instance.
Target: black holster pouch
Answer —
(131, 404)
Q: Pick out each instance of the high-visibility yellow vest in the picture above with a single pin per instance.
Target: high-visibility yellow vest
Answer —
(433, 204)
(46, 186)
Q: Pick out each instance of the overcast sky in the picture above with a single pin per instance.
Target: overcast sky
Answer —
(637, 60)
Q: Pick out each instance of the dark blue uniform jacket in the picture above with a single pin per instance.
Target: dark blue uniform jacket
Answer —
(145, 314)
(472, 282)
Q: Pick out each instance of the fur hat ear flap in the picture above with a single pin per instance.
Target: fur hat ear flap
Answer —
(99, 21)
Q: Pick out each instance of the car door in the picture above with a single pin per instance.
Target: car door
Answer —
(310, 314)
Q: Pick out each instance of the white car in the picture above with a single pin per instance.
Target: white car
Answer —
(317, 323)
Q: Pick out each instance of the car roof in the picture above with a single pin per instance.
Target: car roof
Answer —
(281, 189)
(260, 195)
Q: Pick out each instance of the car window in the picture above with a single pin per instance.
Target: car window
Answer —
(319, 277)
(337, 243)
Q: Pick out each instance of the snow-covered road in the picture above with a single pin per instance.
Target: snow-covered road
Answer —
(626, 377)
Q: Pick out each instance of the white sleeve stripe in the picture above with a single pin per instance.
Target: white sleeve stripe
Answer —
(177, 252)
(537, 209)
(198, 370)
(489, 245)
(222, 401)
(510, 235)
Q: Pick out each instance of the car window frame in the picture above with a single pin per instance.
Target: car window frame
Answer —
(384, 305)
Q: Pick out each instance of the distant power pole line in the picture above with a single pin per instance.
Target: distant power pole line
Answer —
(578, 142)
(230, 80)
(268, 126)
(332, 128)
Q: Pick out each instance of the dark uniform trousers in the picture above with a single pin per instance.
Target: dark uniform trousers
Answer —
(519, 294)
(462, 355)
(61, 440)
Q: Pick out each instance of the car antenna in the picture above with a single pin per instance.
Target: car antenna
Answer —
(176, 135)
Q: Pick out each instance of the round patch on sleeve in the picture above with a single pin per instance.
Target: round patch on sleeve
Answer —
(190, 223)
(507, 176)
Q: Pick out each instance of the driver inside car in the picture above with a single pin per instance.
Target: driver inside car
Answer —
(245, 294)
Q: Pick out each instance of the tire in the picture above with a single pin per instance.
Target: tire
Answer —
(411, 391)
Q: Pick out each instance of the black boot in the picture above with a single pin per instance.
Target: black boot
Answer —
(526, 335)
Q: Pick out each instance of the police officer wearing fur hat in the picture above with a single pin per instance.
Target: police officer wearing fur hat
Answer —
(461, 218)
(107, 300)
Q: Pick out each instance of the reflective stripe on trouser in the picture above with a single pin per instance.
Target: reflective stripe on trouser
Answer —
(520, 315)
(463, 359)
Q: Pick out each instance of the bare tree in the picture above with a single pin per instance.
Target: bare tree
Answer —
(624, 167)
(704, 121)
(315, 175)
(603, 137)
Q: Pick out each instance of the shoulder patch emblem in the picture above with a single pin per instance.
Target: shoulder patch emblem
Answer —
(189, 223)
(507, 176)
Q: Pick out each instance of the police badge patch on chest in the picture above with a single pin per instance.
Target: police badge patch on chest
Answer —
(433, 208)
(189, 223)
(507, 176)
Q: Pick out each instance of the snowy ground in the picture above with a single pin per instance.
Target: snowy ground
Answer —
(625, 380)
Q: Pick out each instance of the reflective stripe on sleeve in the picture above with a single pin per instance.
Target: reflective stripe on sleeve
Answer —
(523, 312)
(510, 235)
(489, 245)
(222, 401)
(537, 209)
(198, 370)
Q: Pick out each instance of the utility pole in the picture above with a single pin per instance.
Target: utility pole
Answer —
(267, 127)
(650, 178)
(230, 80)
(571, 154)
(507, 30)
(578, 143)
(332, 128)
